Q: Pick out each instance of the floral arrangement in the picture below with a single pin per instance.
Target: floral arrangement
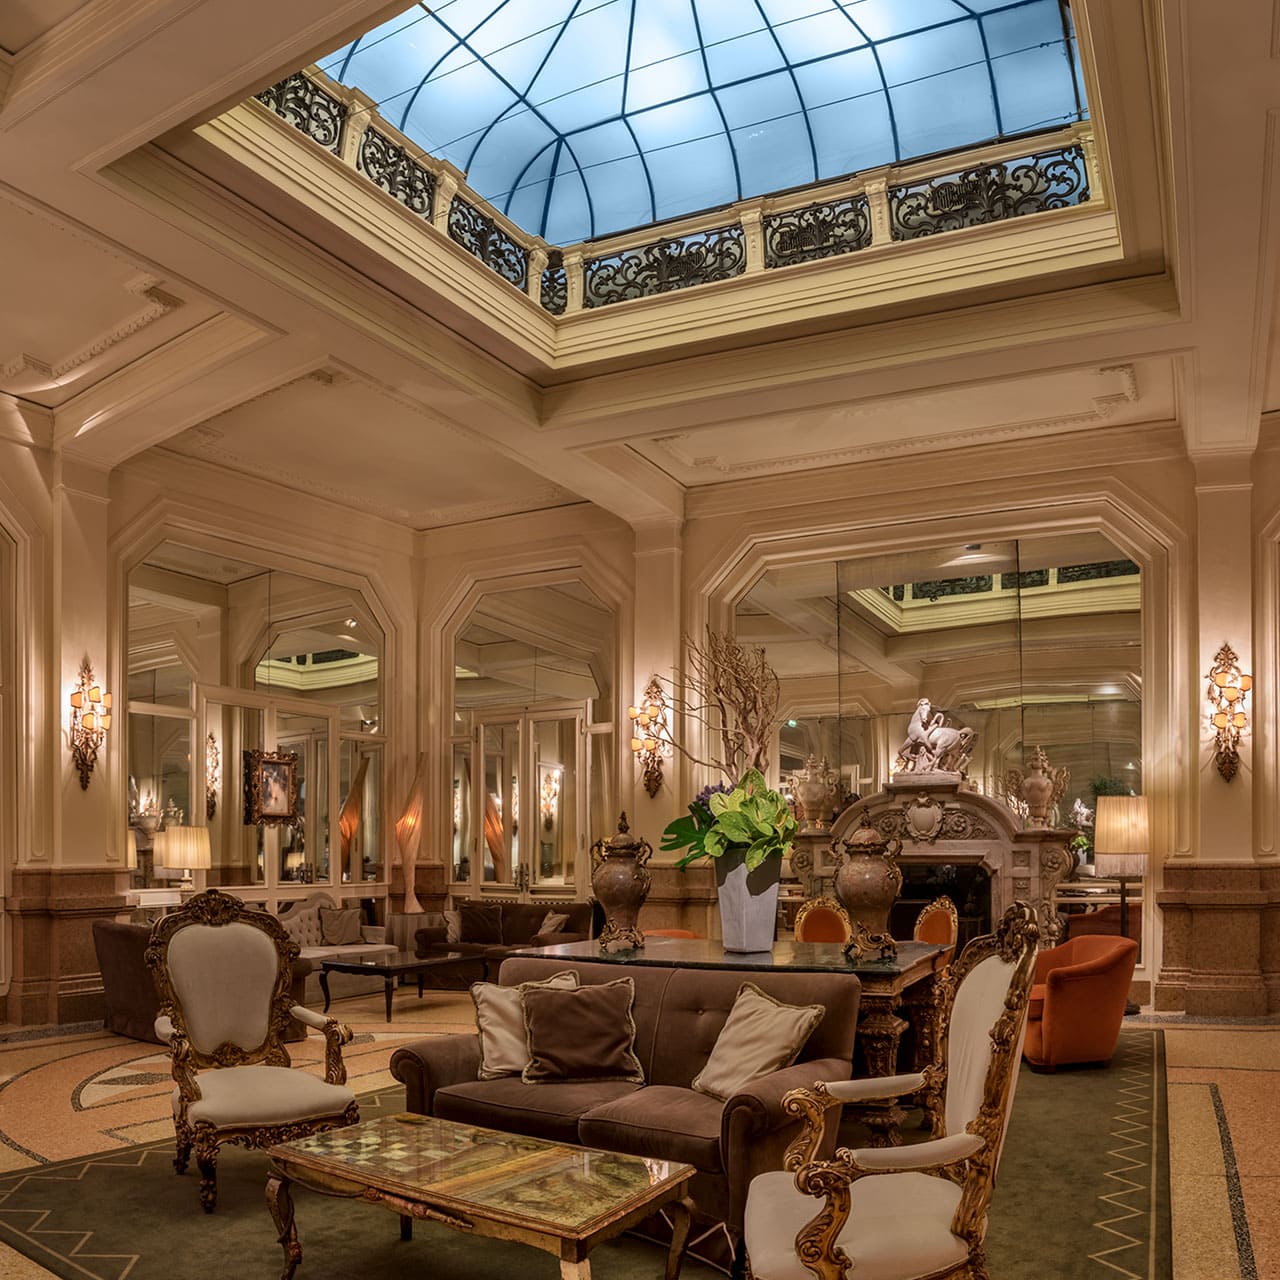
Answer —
(750, 815)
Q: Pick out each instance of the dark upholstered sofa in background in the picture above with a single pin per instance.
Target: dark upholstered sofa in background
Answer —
(490, 931)
(129, 992)
(678, 1015)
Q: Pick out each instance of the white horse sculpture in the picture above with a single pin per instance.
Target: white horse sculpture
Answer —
(931, 744)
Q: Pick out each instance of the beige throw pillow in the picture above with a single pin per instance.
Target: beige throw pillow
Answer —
(553, 922)
(504, 1043)
(760, 1035)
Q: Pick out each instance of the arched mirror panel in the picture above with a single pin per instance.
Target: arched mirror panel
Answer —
(531, 774)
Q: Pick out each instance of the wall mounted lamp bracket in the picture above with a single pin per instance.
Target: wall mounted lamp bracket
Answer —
(90, 720)
(1228, 694)
(651, 734)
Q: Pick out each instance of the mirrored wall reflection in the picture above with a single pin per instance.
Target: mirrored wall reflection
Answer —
(278, 676)
(531, 780)
(984, 651)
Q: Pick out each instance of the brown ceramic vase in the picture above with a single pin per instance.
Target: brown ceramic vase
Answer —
(869, 878)
(620, 883)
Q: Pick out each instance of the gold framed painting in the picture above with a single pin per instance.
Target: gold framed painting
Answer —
(270, 788)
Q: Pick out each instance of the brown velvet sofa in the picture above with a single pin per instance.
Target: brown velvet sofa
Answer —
(678, 1015)
(492, 933)
(129, 994)
(1077, 1000)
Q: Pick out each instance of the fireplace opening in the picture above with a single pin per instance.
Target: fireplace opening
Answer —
(967, 885)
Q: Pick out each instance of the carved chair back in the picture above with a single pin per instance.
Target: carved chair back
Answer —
(984, 1019)
(222, 971)
(939, 922)
(823, 920)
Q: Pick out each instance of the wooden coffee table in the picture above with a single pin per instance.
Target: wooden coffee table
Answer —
(561, 1199)
(390, 968)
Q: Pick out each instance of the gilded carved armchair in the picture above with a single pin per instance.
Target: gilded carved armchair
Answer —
(915, 1212)
(222, 970)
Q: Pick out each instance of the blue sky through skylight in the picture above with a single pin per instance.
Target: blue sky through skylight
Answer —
(579, 118)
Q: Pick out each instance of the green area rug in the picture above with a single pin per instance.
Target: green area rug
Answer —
(1083, 1192)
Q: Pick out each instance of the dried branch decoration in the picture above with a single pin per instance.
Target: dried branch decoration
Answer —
(734, 692)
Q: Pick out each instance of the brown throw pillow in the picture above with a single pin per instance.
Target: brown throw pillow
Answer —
(581, 1035)
(504, 1045)
(481, 922)
(340, 926)
(761, 1035)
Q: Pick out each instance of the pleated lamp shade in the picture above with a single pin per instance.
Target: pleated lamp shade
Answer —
(1120, 836)
(186, 848)
(131, 850)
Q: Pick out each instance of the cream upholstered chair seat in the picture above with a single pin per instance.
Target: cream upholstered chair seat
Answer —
(263, 1095)
(223, 970)
(917, 1212)
(899, 1225)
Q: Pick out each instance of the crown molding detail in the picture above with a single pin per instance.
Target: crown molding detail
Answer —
(54, 372)
(679, 446)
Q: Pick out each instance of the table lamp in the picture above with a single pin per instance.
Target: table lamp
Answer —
(184, 848)
(1120, 845)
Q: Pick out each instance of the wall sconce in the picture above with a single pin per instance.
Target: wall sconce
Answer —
(212, 777)
(90, 720)
(549, 797)
(1228, 692)
(651, 734)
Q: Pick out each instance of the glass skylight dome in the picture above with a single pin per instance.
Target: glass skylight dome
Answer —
(579, 118)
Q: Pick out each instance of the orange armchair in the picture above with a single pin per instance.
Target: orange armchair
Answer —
(1077, 1000)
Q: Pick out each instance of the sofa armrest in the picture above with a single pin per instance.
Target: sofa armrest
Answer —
(432, 1063)
(755, 1131)
(373, 933)
(433, 935)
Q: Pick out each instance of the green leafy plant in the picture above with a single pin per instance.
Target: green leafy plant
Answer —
(752, 816)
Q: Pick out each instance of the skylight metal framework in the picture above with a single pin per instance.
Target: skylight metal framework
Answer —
(580, 118)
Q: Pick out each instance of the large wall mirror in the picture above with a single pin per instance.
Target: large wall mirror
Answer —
(255, 710)
(530, 758)
(1034, 642)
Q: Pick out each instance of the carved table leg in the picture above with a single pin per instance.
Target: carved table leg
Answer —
(920, 1003)
(281, 1205)
(389, 984)
(324, 986)
(880, 1030)
(681, 1219)
(571, 1270)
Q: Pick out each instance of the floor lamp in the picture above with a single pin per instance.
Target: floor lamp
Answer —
(1120, 845)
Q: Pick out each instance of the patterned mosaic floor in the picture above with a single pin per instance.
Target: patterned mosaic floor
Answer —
(1224, 1129)
(67, 1095)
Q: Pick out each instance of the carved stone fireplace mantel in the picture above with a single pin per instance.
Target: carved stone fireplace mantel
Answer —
(938, 821)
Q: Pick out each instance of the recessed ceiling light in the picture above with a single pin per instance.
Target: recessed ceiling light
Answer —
(349, 623)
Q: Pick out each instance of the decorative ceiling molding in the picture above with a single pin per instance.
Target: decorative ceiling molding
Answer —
(52, 373)
(1102, 407)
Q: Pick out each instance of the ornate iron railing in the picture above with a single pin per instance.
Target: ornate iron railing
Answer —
(699, 258)
(816, 231)
(480, 235)
(990, 193)
(554, 294)
(1099, 570)
(309, 108)
(861, 212)
(392, 168)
